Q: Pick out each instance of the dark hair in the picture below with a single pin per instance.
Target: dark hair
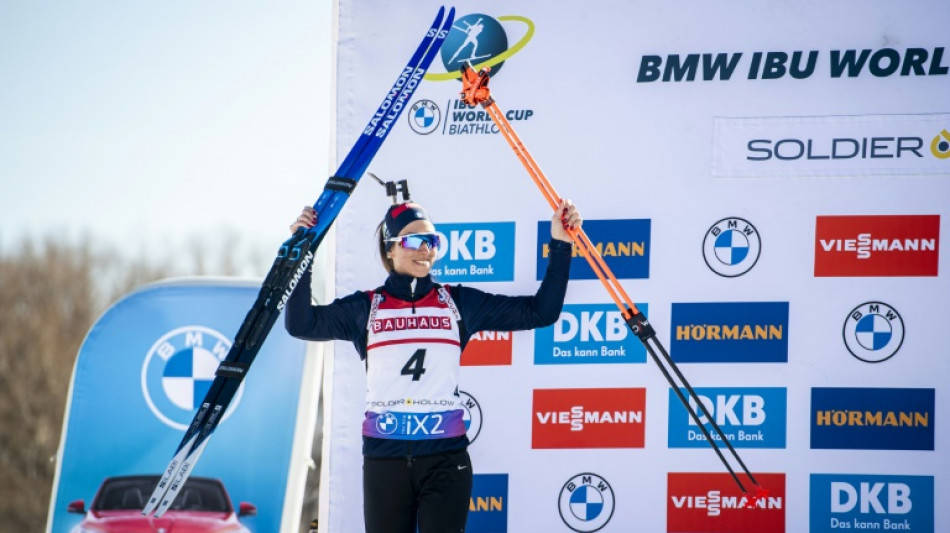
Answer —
(384, 249)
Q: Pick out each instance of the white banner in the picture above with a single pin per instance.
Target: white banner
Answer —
(822, 368)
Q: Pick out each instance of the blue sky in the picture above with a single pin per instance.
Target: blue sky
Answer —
(149, 125)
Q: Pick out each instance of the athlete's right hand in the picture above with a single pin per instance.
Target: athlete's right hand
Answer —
(307, 218)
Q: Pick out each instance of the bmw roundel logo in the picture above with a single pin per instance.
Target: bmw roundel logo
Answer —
(387, 423)
(873, 332)
(178, 371)
(586, 502)
(731, 247)
(472, 415)
(424, 117)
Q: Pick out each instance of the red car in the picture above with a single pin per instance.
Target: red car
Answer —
(203, 505)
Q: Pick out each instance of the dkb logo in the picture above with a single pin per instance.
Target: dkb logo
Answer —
(483, 251)
(871, 502)
(588, 333)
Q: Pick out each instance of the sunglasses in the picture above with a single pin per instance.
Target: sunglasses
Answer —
(414, 241)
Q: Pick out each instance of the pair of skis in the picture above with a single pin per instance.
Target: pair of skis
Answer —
(475, 91)
(293, 258)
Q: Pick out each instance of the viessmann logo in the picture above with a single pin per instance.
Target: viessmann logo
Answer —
(713, 503)
(860, 145)
(486, 348)
(588, 418)
(877, 245)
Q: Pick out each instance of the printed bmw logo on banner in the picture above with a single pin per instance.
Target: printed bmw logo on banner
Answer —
(873, 332)
(586, 502)
(178, 371)
(424, 117)
(731, 247)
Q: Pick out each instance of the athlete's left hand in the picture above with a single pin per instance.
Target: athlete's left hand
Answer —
(565, 217)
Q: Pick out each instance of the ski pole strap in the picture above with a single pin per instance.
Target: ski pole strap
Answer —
(337, 183)
(232, 370)
(639, 324)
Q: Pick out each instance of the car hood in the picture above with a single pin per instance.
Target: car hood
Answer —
(171, 522)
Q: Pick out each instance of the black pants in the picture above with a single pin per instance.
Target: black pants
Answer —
(431, 492)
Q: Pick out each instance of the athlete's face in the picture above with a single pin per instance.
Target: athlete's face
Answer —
(416, 263)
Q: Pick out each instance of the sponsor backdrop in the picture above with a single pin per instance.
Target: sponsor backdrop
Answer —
(770, 181)
(141, 374)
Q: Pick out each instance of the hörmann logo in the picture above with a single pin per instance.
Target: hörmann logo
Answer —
(588, 334)
(848, 145)
(713, 503)
(733, 332)
(871, 502)
(749, 417)
(872, 419)
(479, 251)
(624, 245)
(877, 245)
(488, 504)
(588, 418)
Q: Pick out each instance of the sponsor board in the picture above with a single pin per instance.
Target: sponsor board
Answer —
(624, 245)
(872, 502)
(588, 418)
(588, 334)
(838, 145)
(730, 332)
(877, 245)
(872, 419)
(750, 417)
(713, 503)
(479, 251)
(488, 504)
(487, 348)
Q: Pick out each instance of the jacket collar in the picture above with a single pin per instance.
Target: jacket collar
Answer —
(400, 286)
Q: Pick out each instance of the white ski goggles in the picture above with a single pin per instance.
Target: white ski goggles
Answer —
(414, 241)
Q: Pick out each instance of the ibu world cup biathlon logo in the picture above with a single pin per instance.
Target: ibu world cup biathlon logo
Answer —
(873, 332)
(586, 502)
(178, 371)
(731, 247)
(481, 40)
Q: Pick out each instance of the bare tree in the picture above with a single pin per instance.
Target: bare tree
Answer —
(50, 295)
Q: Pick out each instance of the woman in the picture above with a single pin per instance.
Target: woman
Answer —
(411, 333)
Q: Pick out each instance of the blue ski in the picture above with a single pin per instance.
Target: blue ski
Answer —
(293, 258)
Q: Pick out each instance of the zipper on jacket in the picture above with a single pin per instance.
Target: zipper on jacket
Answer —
(412, 294)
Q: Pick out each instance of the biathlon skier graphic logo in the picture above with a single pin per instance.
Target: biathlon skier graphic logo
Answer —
(731, 247)
(586, 502)
(940, 145)
(178, 371)
(873, 332)
(482, 40)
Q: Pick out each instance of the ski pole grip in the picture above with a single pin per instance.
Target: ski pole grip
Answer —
(639, 324)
